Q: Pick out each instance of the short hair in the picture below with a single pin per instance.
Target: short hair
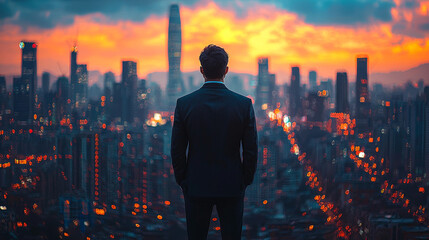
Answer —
(214, 61)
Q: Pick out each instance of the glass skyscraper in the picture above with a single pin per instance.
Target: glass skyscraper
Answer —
(175, 85)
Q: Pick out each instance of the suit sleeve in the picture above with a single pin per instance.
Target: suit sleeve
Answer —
(179, 143)
(250, 146)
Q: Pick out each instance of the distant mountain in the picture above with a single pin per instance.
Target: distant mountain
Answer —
(415, 74)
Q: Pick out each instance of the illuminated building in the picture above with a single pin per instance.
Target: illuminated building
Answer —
(97, 180)
(363, 107)
(342, 89)
(81, 86)
(158, 137)
(26, 87)
(109, 81)
(129, 89)
(295, 93)
(262, 192)
(175, 85)
(73, 74)
(76, 210)
(142, 101)
(327, 89)
(274, 91)
(62, 96)
(263, 85)
(312, 79)
(110, 150)
(64, 152)
(315, 108)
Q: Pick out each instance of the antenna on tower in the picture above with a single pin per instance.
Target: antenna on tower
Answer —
(76, 40)
(59, 68)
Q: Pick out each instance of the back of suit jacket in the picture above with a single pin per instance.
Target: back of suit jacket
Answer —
(212, 122)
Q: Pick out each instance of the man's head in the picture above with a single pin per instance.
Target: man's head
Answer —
(214, 62)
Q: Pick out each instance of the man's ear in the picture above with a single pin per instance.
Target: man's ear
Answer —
(201, 70)
(226, 70)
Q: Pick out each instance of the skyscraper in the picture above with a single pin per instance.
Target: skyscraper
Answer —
(62, 95)
(175, 85)
(73, 74)
(342, 89)
(116, 106)
(263, 85)
(28, 81)
(3, 94)
(129, 89)
(21, 95)
(81, 86)
(109, 80)
(363, 111)
(294, 94)
(426, 131)
(45, 82)
(312, 80)
(273, 91)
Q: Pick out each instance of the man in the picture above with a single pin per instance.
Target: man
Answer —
(213, 121)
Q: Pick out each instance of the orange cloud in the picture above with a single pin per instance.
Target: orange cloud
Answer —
(262, 31)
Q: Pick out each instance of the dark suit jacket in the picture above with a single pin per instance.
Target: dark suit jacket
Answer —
(214, 121)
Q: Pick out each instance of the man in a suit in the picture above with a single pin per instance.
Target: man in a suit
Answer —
(209, 126)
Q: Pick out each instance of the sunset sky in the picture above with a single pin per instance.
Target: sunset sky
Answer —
(322, 35)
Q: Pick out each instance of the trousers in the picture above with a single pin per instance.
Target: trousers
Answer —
(199, 211)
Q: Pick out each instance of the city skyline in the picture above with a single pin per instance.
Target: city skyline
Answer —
(286, 36)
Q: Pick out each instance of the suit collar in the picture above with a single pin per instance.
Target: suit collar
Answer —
(213, 85)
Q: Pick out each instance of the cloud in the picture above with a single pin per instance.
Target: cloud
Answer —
(411, 19)
(48, 14)
(340, 12)
(5, 10)
(45, 14)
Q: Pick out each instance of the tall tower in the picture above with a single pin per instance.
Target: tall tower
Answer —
(342, 89)
(263, 87)
(81, 86)
(26, 101)
(175, 85)
(129, 89)
(294, 94)
(363, 110)
(73, 74)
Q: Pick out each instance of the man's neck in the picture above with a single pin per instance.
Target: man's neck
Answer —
(213, 80)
